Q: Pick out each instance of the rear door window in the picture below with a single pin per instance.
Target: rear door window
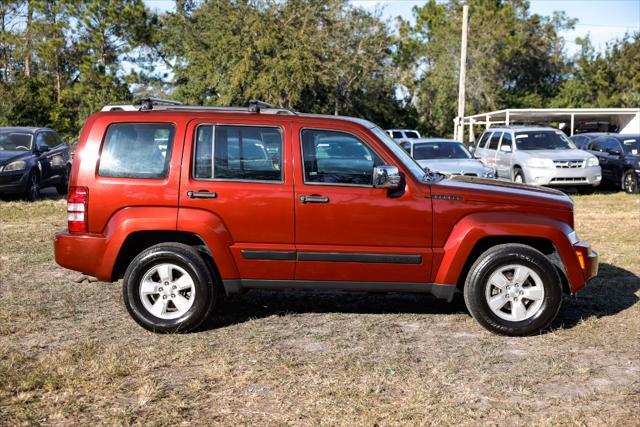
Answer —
(411, 135)
(137, 150)
(493, 142)
(238, 153)
(397, 135)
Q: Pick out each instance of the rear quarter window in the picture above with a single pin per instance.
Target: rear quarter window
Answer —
(137, 150)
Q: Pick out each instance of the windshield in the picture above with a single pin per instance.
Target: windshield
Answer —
(402, 155)
(440, 150)
(543, 140)
(631, 146)
(15, 141)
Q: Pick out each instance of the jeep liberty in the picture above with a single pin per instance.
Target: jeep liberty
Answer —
(189, 204)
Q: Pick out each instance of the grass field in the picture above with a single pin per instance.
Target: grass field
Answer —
(70, 354)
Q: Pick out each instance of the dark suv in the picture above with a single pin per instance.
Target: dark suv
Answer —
(31, 159)
(619, 157)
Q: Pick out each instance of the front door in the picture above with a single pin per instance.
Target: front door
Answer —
(347, 230)
(242, 175)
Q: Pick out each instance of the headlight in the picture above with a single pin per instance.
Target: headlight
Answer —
(488, 173)
(592, 161)
(540, 163)
(15, 166)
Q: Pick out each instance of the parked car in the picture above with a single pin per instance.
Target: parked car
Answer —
(619, 157)
(32, 159)
(341, 206)
(446, 156)
(538, 156)
(581, 140)
(403, 134)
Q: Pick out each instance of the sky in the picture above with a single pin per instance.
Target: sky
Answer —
(602, 20)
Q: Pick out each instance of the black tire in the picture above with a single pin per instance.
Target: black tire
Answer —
(63, 186)
(32, 192)
(501, 256)
(519, 174)
(630, 182)
(187, 258)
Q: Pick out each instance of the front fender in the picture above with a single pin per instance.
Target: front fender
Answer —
(472, 228)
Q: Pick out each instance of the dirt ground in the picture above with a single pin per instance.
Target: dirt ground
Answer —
(70, 354)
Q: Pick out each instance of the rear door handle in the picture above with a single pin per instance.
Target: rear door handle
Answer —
(314, 199)
(201, 194)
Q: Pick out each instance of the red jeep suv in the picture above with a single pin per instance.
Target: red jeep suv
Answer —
(188, 204)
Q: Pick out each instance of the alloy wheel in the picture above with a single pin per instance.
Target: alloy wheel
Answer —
(167, 291)
(514, 292)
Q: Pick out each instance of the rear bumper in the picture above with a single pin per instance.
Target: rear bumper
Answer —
(81, 252)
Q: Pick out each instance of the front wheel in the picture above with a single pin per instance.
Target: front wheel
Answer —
(513, 290)
(169, 288)
(630, 182)
(518, 176)
(32, 192)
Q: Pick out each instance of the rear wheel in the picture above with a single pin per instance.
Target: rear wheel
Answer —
(513, 290)
(630, 182)
(169, 288)
(518, 176)
(32, 192)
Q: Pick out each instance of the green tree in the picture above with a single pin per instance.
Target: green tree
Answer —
(514, 58)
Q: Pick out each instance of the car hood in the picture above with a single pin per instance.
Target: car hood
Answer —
(502, 192)
(572, 154)
(454, 166)
(7, 156)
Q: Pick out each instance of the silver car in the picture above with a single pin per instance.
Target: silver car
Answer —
(538, 156)
(446, 156)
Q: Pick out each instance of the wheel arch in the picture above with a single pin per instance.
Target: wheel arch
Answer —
(138, 241)
(542, 244)
(476, 233)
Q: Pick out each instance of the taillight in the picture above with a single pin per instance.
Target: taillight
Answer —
(77, 203)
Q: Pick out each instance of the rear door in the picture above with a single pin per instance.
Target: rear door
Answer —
(491, 149)
(347, 230)
(242, 175)
(503, 158)
(478, 151)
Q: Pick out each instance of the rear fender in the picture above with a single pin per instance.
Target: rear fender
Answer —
(212, 230)
(127, 221)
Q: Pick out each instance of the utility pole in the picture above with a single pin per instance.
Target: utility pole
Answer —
(459, 128)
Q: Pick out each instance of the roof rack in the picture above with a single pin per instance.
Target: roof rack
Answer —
(148, 104)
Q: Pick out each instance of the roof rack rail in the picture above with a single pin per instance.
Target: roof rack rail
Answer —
(148, 104)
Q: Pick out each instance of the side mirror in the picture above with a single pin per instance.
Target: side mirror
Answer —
(613, 151)
(42, 148)
(505, 148)
(386, 177)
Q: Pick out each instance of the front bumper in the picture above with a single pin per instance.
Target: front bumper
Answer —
(587, 260)
(563, 176)
(13, 182)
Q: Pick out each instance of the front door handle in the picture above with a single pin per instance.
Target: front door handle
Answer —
(314, 199)
(201, 194)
